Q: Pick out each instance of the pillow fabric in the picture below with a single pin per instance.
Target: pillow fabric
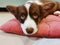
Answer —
(49, 27)
(12, 26)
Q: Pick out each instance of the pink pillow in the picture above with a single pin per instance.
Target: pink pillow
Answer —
(49, 27)
(12, 26)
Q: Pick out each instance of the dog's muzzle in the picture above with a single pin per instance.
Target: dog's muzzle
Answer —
(29, 30)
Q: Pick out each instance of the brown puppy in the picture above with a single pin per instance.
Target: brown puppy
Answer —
(30, 14)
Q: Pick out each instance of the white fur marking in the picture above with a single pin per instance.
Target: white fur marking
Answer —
(29, 23)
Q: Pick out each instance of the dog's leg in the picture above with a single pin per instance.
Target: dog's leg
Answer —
(58, 10)
(57, 13)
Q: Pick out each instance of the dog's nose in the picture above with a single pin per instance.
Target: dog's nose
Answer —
(29, 30)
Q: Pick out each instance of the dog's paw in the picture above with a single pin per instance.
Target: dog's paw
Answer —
(57, 13)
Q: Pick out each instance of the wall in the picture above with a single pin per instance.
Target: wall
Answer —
(3, 3)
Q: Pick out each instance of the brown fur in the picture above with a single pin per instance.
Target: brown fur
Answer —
(36, 12)
(50, 8)
(41, 11)
(18, 12)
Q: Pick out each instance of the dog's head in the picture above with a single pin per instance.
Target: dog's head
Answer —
(29, 15)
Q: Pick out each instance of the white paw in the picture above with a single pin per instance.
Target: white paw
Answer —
(57, 13)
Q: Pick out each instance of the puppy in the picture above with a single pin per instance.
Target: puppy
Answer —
(28, 14)
(31, 13)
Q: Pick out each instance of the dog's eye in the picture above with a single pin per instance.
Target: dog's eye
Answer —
(35, 16)
(22, 16)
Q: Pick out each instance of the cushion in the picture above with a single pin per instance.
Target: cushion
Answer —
(12, 26)
(49, 27)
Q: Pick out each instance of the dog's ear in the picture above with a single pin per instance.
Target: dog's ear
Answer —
(50, 6)
(12, 9)
(47, 8)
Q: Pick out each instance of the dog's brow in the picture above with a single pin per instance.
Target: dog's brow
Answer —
(34, 8)
(22, 9)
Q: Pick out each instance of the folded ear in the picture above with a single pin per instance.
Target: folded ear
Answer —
(12, 9)
(50, 6)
